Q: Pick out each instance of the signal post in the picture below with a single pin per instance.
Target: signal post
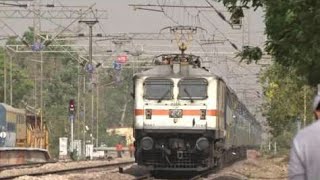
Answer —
(72, 109)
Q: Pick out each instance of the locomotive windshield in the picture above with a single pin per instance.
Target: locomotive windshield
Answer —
(158, 89)
(192, 89)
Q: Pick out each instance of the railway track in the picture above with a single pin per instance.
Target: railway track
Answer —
(144, 177)
(23, 166)
(210, 175)
(213, 174)
(38, 164)
(69, 170)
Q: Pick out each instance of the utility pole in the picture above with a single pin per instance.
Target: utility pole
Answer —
(71, 118)
(84, 115)
(71, 138)
(41, 90)
(97, 111)
(36, 19)
(11, 80)
(90, 67)
(305, 106)
(79, 102)
(35, 92)
(5, 80)
(36, 32)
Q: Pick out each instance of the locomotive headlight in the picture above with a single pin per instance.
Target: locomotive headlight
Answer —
(146, 143)
(203, 114)
(3, 134)
(202, 144)
(148, 113)
(175, 113)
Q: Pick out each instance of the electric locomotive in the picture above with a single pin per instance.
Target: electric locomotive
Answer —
(186, 118)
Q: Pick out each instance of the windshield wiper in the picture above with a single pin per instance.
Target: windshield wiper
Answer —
(163, 96)
(187, 92)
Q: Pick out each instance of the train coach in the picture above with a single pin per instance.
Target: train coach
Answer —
(12, 126)
(187, 119)
(22, 140)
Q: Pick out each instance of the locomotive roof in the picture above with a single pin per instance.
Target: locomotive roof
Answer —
(11, 109)
(166, 71)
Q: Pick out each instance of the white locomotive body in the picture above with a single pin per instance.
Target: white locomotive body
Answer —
(187, 118)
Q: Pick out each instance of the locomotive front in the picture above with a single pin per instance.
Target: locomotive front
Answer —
(176, 116)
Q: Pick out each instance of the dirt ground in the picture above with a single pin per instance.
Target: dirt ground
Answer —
(68, 165)
(255, 167)
(259, 167)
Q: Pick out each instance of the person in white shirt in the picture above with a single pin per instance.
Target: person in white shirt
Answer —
(304, 161)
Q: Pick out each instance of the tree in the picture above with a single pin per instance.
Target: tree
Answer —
(21, 84)
(292, 29)
(293, 36)
(293, 41)
(285, 95)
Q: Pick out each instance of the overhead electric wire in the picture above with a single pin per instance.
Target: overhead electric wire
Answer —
(217, 29)
(219, 13)
(17, 5)
(174, 21)
(199, 12)
(227, 39)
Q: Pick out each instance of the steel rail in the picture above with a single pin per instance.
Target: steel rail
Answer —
(144, 177)
(26, 165)
(67, 170)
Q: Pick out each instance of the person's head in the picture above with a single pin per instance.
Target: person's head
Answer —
(316, 106)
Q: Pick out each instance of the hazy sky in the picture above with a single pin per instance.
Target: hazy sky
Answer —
(122, 18)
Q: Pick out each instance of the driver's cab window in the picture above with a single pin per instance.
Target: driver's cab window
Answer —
(195, 89)
(158, 89)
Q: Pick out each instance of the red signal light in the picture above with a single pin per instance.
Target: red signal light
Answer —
(71, 105)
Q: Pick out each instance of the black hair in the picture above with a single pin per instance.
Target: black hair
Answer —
(318, 107)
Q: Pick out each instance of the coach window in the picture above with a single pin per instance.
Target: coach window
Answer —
(11, 127)
(158, 89)
(195, 89)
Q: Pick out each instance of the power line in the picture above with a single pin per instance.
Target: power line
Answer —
(174, 21)
(219, 13)
(217, 29)
(168, 6)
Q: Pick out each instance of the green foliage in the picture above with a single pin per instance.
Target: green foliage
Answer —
(75, 155)
(286, 95)
(231, 4)
(59, 90)
(21, 84)
(111, 140)
(60, 73)
(119, 101)
(293, 36)
(236, 12)
(250, 54)
(28, 36)
(293, 41)
(292, 28)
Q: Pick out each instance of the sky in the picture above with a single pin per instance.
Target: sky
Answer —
(122, 18)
